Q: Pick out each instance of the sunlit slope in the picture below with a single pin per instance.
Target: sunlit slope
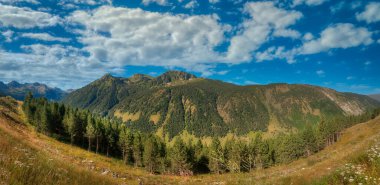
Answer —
(177, 101)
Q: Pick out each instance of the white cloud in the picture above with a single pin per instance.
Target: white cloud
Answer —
(85, 2)
(265, 18)
(123, 36)
(249, 82)
(25, 17)
(343, 35)
(19, 1)
(213, 1)
(44, 37)
(65, 66)
(287, 33)
(320, 73)
(222, 72)
(159, 2)
(277, 52)
(191, 5)
(309, 2)
(308, 36)
(371, 13)
(8, 35)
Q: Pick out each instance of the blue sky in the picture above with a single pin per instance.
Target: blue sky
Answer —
(69, 43)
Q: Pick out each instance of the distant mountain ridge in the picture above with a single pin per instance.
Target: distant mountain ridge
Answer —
(18, 90)
(177, 101)
(375, 96)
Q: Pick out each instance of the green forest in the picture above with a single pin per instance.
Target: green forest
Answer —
(113, 138)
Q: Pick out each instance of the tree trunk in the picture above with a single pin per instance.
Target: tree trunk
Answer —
(97, 144)
(107, 150)
(89, 144)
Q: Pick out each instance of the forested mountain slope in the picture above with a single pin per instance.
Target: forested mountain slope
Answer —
(177, 101)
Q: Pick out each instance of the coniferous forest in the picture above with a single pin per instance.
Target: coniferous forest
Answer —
(113, 138)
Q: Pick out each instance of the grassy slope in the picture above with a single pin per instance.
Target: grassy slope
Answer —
(88, 168)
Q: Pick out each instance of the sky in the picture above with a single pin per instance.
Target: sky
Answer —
(69, 43)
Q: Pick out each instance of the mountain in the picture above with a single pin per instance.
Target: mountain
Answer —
(177, 101)
(18, 91)
(375, 96)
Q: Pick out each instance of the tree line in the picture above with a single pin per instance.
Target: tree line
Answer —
(111, 137)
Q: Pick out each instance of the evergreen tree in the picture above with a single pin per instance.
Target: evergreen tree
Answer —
(126, 144)
(90, 131)
(217, 162)
(234, 158)
(137, 149)
(151, 155)
(180, 158)
(70, 124)
(200, 158)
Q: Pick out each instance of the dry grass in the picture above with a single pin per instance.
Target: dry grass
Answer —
(21, 164)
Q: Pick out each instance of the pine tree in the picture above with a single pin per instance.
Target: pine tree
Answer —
(111, 132)
(70, 124)
(200, 159)
(151, 156)
(126, 144)
(234, 158)
(180, 158)
(217, 162)
(137, 149)
(90, 131)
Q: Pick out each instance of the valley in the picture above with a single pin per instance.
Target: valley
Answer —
(353, 142)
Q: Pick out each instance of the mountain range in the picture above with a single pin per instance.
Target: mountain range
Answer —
(176, 101)
(375, 96)
(18, 90)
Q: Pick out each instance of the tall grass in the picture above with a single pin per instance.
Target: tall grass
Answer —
(22, 165)
(363, 169)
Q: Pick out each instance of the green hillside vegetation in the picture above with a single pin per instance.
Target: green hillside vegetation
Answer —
(178, 101)
(113, 138)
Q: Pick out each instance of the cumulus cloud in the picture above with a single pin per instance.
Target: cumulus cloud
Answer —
(19, 1)
(17, 17)
(159, 2)
(8, 35)
(124, 36)
(191, 5)
(308, 2)
(287, 33)
(342, 35)
(265, 19)
(371, 13)
(65, 66)
(213, 1)
(44, 37)
(308, 36)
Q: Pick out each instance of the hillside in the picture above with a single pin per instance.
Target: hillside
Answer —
(177, 101)
(21, 145)
(375, 96)
(18, 91)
